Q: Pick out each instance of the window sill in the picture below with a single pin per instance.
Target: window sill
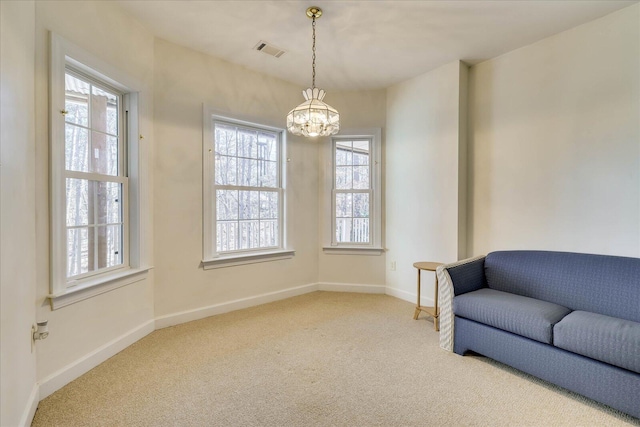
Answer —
(353, 250)
(96, 286)
(233, 260)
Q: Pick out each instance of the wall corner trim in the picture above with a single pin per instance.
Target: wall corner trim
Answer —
(32, 405)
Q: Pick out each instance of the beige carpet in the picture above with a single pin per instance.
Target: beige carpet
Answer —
(322, 359)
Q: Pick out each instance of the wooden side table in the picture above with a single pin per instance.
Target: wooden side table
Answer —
(431, 311)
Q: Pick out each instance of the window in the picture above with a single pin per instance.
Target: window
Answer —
(244, 193)
(96, 185)
(353, 189)
(97, 238)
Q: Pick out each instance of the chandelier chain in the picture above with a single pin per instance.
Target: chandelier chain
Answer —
(313, 64)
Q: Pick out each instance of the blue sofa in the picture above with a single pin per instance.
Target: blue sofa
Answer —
(567, 318)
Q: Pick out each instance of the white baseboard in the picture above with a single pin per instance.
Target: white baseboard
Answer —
(64, 376)
(32, 405)
(225, 307)
(408, 296)
(239, 304)
(349, 287)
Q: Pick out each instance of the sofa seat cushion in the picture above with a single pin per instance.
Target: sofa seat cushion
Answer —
(600, 337)
(520, 315)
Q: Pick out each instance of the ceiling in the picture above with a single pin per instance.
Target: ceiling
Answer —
(361, 44)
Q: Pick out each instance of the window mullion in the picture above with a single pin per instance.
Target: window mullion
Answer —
(334, 165)
(279, 160)
(90, 131)
(244, 188)
(94, 199)
(238, 222)
(352, 168)
(77, 125)
(371, 211)
(89, 176)
(123, 156)
(259, 218)
(349, 190)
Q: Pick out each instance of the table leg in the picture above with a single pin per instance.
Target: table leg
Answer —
(417, 312)
(436, 318)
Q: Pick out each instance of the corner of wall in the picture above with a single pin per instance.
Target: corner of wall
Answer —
(31, 406)
(18, 255)
(463, 164)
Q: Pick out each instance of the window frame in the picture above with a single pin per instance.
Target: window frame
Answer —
(121, 178)
(330, 244)
(64, 57)
(211, 257)
(335, 191)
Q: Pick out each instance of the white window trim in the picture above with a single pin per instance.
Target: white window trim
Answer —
(330, 247)
(97, 285)
(211, 259)
(247, 258)
(62, 291)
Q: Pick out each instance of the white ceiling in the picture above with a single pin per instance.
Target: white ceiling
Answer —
(361, 44)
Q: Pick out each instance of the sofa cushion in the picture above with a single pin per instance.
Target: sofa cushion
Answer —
(608, 339)
(603, 284)
(520, 315)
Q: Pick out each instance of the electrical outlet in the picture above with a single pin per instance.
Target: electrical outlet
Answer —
(393, 266)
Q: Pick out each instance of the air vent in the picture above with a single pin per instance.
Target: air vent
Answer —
(269, 49)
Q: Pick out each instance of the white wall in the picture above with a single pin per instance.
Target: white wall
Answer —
(184, 80)
(17, 212)
(78, 330)
(555, 143)
(425, 159)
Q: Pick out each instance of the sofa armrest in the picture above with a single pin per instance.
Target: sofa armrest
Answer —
(456, 279)
(467, 275)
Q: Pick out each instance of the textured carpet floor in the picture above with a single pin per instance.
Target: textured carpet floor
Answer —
(322, 359)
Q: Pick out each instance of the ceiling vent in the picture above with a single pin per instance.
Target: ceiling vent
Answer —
(269, 49)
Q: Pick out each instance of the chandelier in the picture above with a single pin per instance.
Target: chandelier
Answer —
(313, 117)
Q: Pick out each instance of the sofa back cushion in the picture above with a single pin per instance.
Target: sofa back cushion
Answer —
(608, 285)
